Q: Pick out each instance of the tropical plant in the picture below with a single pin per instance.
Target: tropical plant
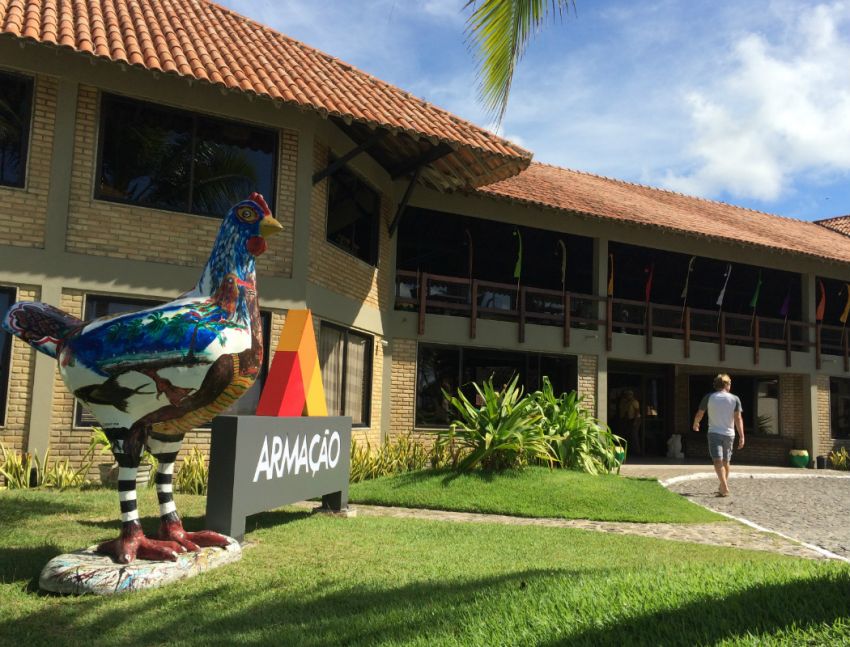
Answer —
(579, 440)
(499, 31)
(839, 459)
(503, 432)
(193, 475)
(62, 475)
(17, 468)
(24, 470)
(404, 454)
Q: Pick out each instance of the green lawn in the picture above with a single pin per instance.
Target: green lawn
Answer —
(535, 492)
(314, 580)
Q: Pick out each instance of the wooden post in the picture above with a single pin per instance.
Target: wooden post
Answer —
(609, 324)
(817, 345)
(423, 301)
(521, 299)
(756, 339)
(687, 338)
(787, 344)
(846, 355)
(473, 316)
(567, 319)
(723, 337)
(648, 329)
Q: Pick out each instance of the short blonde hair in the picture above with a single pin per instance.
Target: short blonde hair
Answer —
(721, 380)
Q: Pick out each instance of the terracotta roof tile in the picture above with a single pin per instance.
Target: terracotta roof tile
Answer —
(594, 196)
(200, 39)
(840, 224)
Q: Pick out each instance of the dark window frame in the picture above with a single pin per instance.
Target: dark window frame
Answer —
(195, 117)
(6, 361)
(375, 224)
(367, 372)
(26, 119)
(834, 430)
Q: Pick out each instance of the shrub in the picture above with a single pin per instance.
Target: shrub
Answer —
(579, 440)
(839, 459)
(193, 475)
(504, 432)
(403, 454)
(24, 470)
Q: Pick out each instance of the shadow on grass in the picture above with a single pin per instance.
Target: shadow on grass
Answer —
(26, 563)
(150, 524)
(505, 608)
(17, 509)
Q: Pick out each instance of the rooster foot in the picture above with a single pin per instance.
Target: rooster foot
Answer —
(173, 532)
(132, 544)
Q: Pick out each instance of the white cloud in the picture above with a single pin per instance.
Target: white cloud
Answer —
(780, 110)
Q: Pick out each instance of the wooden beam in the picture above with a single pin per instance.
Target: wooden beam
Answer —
(402, 206)
(428, 157)
(339, 162)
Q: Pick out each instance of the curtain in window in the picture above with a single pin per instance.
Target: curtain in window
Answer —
(354, 383)
(330, 359)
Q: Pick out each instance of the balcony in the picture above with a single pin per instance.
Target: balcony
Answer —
(425, 293)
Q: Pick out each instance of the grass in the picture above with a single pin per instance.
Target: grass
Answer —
(314, 580)
(535, 492)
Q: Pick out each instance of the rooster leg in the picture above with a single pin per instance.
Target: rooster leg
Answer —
(165, 449)
(127, 449)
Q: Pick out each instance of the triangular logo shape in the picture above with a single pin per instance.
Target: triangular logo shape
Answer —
(294, 383)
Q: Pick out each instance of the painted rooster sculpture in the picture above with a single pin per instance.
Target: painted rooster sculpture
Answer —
(151, 376)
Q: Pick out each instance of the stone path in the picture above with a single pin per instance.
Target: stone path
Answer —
(810, 507)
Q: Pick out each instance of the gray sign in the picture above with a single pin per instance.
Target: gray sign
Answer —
(258, 463)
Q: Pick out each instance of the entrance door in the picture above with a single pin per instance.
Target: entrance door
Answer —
(639, 406)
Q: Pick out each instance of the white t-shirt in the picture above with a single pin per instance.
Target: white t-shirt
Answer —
(721, 407)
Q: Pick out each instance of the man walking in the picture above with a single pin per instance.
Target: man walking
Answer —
(724, 417)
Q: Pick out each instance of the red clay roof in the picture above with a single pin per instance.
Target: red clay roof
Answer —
(199, 39)
(615, 200)
(840, 224)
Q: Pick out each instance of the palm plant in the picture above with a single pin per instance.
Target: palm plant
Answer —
(579, 440)
(499, 31)
(503, 432)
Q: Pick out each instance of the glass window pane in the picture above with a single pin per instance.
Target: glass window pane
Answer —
(146, 154)
(767, 405)
(437, 370)
(231, 161)
(330, 359)
(839, 405)
(7, 295)
(356, 379)
(15, 107)
(353, 215)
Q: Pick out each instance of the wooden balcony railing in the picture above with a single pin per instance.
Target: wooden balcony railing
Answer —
(476, 299)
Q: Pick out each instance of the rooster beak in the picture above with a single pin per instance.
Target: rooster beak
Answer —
(269, 226)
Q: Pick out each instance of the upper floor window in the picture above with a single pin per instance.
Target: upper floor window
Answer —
(7, 296)
(354, 210)
(181, 161)
(15, 111)
(346, 360)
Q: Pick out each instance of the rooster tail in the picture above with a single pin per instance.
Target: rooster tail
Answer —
(40, 325)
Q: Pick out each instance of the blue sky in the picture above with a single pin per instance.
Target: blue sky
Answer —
(745, 101)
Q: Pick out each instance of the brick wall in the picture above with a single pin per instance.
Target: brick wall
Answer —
(403, 388)
(337, 270)
(587, 373)
(14, 433)
(825, 443)
(65, 441)
(23, 211)
(100, 228)
(791, 409)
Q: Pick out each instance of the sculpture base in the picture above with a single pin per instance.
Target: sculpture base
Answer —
(86, 571)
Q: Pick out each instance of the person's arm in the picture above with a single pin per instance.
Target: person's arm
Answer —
(698, 419)
(739, 425)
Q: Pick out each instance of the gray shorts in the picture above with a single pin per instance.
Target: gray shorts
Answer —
(720, 447)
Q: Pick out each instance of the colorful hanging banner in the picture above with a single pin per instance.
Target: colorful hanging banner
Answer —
(518, 266)
(610, 275)
(563, 263)
(846, 311)
(688, 277)
(647, 290)
(725, 283)
(821, 309)
(755, 300)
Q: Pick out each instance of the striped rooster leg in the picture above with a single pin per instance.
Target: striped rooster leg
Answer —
(127, 449)
(165, 449)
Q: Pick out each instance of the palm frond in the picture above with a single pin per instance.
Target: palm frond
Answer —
(499, 31)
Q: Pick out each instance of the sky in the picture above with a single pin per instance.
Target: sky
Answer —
(744, 101)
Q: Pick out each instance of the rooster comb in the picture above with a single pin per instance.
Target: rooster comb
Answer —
(260, 200)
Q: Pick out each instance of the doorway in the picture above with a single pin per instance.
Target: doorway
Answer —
(640, 405)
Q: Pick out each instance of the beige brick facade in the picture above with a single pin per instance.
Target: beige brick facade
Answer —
(14, 432)
(23, 211)
(825, 442)
(403, 389)
(65, 440)
(100, 228)
(587, 380)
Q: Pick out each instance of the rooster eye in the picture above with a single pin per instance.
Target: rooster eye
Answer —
(247, 214)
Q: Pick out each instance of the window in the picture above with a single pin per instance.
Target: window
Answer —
(181, 161)
(353, 215)
(346, 360)
(767, 406)
(7, 296)
(102, 306)
(15, 110)
(839, 408)
(440, 368)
